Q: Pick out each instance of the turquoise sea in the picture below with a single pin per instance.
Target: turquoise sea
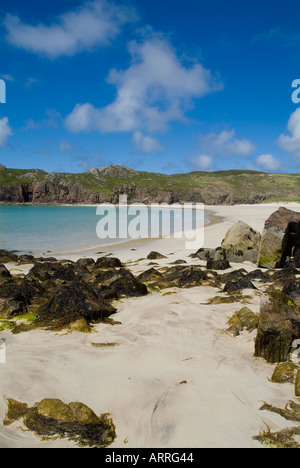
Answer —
(58, 229)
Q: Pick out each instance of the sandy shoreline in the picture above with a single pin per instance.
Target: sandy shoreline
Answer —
(174, 379)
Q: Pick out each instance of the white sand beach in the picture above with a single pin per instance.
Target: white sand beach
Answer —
(171, 377)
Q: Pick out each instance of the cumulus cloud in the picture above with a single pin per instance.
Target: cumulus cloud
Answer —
(156, 89)
(95, 23)
(202, 162)
(268, 162)
(5, 131)
(225, 145)
(145, 143)
(291, 142)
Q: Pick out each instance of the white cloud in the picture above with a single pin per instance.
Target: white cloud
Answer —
(146, 144)
(52, 119)
(267, 162)
(202, 162)
(5, 131)
(95, 23)
(155, 90)
(225, 145)
(7, 78)
(291, 142)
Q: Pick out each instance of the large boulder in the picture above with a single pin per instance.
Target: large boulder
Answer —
(241, 237)
(280, 239)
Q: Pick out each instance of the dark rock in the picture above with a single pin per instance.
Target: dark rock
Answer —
(114, 284)
(279, 326)
(292, 289)
(108, 262)
(280, 238)
(243, 283)
(244, 319)
(258, 275)
(155, 256)
(217, 265)
(26, 259)
(185, 276)
(86, 262)
(234, 275)
(50, 270)
(150, 275)
(4, 273)
(72, 302)
(8, 257)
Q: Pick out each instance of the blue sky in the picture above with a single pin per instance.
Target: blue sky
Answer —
(156, 85)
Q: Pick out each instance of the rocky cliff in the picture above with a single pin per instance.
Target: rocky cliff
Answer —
(106, 184)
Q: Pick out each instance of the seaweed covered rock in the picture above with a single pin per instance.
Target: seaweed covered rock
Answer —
(185, 276)
(54, 271)
(155, 256)
(242, 283)
(16, 295)
(217, 264)
(4, 273)
(51, 418)
(8, 257)
(297, 384)
(73, 302)
(178, 276)
(114, 284)
(150, 275)
(108, 262)
(243, 319)
(285, 372)
(59, 293)
(278, 327)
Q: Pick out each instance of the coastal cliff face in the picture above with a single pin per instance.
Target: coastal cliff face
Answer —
(107, 184)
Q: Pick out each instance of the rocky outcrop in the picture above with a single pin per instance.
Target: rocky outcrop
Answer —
(280, 239)
(105, 185)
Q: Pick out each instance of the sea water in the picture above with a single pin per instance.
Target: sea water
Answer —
(58, 229)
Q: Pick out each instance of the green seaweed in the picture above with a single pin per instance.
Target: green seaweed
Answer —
(59, 422)
(6, 325)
